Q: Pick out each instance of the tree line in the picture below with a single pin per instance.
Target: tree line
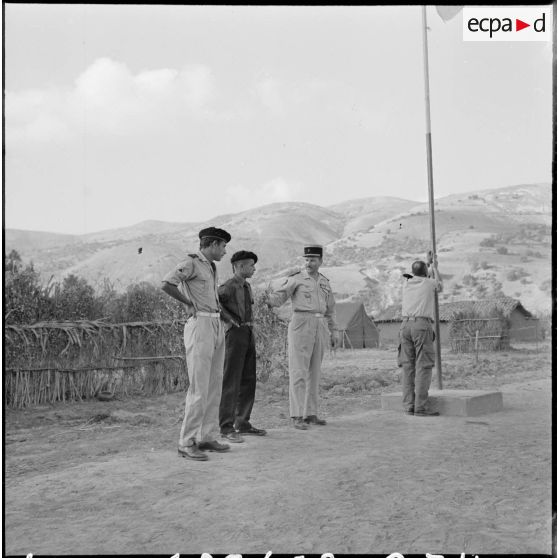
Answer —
(27, 300)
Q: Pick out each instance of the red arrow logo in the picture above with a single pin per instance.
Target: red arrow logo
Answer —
(519, 25)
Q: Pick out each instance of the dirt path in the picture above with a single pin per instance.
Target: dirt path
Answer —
(369, 482)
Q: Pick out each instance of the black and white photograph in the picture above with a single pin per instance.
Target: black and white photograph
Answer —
(279, 279)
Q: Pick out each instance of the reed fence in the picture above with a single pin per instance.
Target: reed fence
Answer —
(471, 331)
(66, 361)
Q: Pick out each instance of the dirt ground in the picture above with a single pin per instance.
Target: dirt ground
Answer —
(104, 477)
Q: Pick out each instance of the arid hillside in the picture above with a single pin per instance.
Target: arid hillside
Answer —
(488, 242)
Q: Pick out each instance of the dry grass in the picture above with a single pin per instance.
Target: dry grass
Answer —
(375, 370)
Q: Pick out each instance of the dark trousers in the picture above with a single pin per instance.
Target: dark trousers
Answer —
(417, 360)
(239, 379)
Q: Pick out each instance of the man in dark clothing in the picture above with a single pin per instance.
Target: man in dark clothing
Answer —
(239, 373)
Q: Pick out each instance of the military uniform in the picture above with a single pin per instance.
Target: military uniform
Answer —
(204, 340)
(308, 336)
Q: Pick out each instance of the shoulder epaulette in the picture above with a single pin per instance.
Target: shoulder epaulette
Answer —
(322, 275)
(294, 273)
(193, 255)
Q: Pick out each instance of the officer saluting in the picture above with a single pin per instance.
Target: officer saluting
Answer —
(308, 335)
(194, 283)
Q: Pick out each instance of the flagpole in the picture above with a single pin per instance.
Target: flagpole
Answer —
(431, 190)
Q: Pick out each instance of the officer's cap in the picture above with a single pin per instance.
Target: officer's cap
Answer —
(217, 234)
(244, 255)
(314, 250)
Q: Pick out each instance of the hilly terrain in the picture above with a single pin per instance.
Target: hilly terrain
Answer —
(489, 243)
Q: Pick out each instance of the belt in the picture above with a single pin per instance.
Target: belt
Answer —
(246, 323)
(415, 318)
(209, 314)
(317, 314)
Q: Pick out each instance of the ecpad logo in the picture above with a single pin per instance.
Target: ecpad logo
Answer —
(507, 24)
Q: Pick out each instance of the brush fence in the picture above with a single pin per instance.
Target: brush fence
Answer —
(65, 361)
(486, 330)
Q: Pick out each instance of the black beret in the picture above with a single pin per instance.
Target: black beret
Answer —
(314, 251)
(218, 234)
(244, 255)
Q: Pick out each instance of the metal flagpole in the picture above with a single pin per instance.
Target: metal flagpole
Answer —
(431, 191)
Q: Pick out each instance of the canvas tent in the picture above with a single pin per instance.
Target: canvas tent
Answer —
(357, 329)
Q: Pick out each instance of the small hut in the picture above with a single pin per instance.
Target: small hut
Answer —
(521, 324)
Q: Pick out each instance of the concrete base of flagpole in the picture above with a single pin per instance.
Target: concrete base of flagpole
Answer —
(452, 402)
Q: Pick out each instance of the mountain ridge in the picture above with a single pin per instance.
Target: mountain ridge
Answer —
(377, 234)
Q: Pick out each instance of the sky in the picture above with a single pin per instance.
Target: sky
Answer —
(116, 114)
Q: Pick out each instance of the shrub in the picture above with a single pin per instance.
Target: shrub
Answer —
(25, 300)
(74, 299)
(502, 250)
(488, 242)
(271, 339)
(515, 274)
(546, 286)
(533, 254)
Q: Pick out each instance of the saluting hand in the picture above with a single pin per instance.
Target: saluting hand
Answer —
(267, 292)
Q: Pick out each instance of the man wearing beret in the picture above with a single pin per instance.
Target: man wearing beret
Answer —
(194, 283)
(312, 322)
(239, 374)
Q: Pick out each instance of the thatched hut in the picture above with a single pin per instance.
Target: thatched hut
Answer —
(521, 324)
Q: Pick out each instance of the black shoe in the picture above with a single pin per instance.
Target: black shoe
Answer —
(192, 452)
(313, 419)
(213, 446)
(427, 414)
(251, 430)
(298, 423)
(409, 411)
(232, 436)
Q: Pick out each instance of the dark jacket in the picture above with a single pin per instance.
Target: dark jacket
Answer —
(236, 300)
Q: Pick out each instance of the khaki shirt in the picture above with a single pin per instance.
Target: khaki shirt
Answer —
(307, 295)
(418, 297)
(197, 281)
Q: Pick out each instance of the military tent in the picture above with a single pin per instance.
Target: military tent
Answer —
(357, 329)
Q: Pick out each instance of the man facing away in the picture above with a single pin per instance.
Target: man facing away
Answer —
(239, 374)
(194, 283)
(308, 334)
(416, 335)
